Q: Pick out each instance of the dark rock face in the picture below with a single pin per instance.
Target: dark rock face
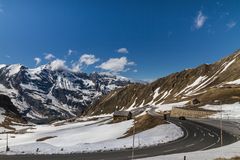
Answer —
(207, 82)
(43, 94)
(10, 109)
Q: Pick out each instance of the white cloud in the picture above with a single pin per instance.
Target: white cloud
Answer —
(200, 20)
(49, 56)
(37, 60)
(231, 24)
(70, 52)
(135, 70)
(88, 59)
(122, 50)
(115, 64)
(76, 67)
(58, 64)
(131, 63)
(85, 59)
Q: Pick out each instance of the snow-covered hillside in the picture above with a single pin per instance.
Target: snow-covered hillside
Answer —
(207, 83)
(85, 136)
(46, 93)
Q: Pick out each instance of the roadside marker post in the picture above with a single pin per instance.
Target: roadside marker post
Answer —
(133, 145)
(7, 148)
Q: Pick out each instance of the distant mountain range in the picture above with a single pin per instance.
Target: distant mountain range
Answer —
(207, 83)
(45, 93)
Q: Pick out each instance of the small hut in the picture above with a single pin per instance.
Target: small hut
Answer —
(166, 115)
(122, 115)
(195, 101)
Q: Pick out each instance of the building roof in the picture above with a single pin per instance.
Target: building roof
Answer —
(121, 113)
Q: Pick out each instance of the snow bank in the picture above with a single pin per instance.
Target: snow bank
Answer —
(234, 82)
(13, 69)
(2, 117)
(2, 66)
(88, 136)
(229, 111)
(168, 107)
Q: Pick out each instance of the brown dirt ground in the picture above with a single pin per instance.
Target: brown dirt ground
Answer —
(143, 123)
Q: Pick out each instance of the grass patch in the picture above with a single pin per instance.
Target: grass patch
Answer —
(143, 123)
(226, 95)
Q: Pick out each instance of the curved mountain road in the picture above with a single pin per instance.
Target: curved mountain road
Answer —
(197, 136)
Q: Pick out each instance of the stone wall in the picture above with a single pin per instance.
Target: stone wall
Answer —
(177, 112)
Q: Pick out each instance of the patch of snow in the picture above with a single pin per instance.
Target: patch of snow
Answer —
(85, 137)
(169, 92)
(204, 84)
(29, 87)
(141, 105)
(111, 86)
(110, 75)
(34, 73)
(2, 66)
(234, 82)
(229, 111)
(58, 105)
(88, 83)
(64, 83)
(7, 91)
(168, 107)
(132, 106)
(156, 93)
(2, 117)
(195, 83)
(13, 69)
(228, 65)
(164, 95)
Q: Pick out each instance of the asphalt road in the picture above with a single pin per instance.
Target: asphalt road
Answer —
(197, 136)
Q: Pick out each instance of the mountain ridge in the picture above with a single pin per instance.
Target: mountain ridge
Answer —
(43, 94)
(207, 82)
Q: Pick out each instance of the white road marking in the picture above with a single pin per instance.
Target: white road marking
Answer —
(189, 145)
(211, 135)
(204, 134)
(186, 136)
(195, 134)
(201, 139)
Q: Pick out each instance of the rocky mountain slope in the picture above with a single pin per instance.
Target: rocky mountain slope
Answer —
(207, 83)
(45, 93)
(8, 113)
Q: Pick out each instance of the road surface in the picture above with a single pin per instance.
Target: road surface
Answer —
(197, 136)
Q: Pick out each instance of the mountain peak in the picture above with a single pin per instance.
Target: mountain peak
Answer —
(44, 93)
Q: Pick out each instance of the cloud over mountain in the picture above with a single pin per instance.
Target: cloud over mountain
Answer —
(115, 64)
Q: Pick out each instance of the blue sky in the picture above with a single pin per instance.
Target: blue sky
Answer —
(140, 39)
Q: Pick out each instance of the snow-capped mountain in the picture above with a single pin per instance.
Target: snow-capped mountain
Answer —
(207, 83)
(45, 93)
